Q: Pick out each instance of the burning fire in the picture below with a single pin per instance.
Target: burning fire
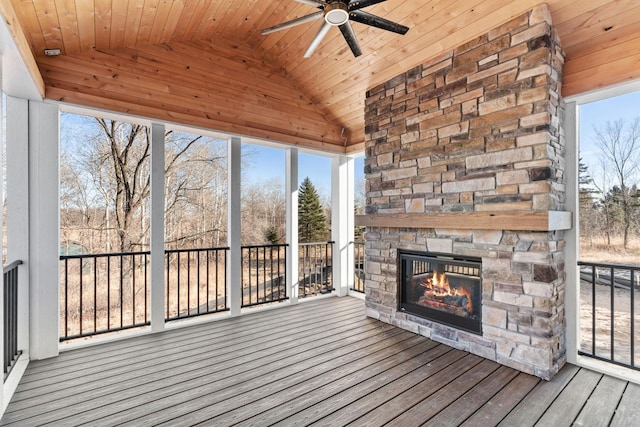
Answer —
(437, 288)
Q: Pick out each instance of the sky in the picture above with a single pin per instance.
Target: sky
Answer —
(625, 107)
(267, 163)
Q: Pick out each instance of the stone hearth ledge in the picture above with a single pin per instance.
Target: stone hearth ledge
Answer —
(498, 220)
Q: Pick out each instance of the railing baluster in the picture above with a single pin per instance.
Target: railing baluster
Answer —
(146, 290)
(613, 288)
(80, 300)
(95, 294)
(621, 352)
(593, 310)
(198, 281)
(133, 288)
(66, 298)
(10, 321)
(632, 293)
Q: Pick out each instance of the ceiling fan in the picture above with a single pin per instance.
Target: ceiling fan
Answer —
(339, 13)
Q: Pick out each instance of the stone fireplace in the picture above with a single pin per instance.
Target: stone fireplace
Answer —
(465, 159)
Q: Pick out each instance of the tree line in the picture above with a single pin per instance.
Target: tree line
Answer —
(609, 191)
(105, 184)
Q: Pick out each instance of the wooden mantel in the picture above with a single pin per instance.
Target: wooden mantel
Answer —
(497, 220)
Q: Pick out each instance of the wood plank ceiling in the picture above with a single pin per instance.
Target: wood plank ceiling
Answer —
(204, 63)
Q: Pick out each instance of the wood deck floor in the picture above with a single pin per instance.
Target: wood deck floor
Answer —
(321, 363)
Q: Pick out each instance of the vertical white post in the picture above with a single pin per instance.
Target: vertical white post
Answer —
(291, 186)
(2, 337)
(342, 221)
(572, 290)
(18, 206)
(44, 229)
(234, 187)
(157, 227)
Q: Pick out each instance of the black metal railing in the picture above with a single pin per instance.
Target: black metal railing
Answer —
(196, 282)
(358, 273)
(315, 268)
(263, 274)
(11, 351)
(607, 305)
(103, 293)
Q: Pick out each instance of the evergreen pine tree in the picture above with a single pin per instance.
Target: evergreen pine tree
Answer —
(311, 219)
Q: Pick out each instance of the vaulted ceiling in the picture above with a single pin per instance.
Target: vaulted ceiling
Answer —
(204, 63)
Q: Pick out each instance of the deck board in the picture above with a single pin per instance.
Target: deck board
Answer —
(317, 363)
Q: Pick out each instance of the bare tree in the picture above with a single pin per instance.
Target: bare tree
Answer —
(620, 147)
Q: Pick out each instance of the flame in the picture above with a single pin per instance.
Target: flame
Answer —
(438, 286)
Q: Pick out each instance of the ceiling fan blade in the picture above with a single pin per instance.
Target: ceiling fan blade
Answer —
(324, 28)
(350, 37)
(293, 22)
(376, 21)
(312, 3)
(359, 4)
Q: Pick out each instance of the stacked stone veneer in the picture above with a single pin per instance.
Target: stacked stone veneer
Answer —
(476, 129)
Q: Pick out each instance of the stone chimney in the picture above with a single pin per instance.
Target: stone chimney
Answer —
(465, 155)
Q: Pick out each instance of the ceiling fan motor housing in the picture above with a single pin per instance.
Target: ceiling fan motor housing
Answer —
(336, 13)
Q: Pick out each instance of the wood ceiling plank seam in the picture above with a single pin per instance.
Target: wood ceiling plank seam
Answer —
(226, 67)
(103, 24)
(78, 98)
(599, 58)
(50, 24)
(571, 36)
(177, 7)
(243, 128)
(265, 117)
(85, 11)
(608, 40)
(159, 21)
(152, 58)
(598, 16)
(26, 14)
(205, 84)
(233, 59)
(189, 20)
(67, 15)
(118, 16)
(233, 17)
(209, 20)
(132, 23)
(146, 22)
(563, 10)
(613, 72)
(261, 14)
(79, 69)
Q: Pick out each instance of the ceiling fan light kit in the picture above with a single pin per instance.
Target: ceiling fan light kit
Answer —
(339, 13)
(336, 13)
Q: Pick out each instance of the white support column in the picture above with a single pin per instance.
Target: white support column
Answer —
(234, 283)
(44, 229)
(291, 189)
(572, 288)
(157, 227)
(18, 206)
(2, 337)
(342, 222)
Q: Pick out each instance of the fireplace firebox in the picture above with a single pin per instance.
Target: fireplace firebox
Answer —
(444, 288)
